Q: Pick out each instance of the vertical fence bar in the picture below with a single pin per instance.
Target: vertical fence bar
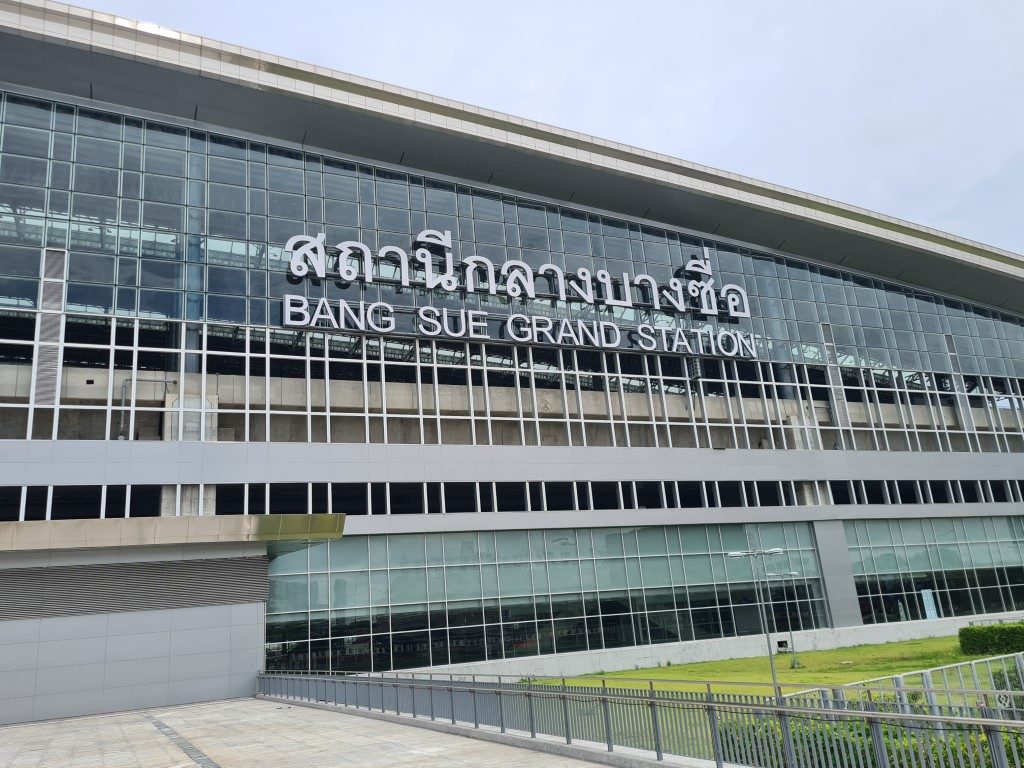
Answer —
(929, 693)
(877, 739)
(501, 708)
(606, 716)
(901, 694)
(994, 737)
(565, 714)
(430, 690)
(476, 719)
(529, 708)
(451, 700)
(716, 738)
(655, 724)
(785, 732)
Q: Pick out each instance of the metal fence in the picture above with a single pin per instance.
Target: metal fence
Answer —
(764, 732)
(951, 689)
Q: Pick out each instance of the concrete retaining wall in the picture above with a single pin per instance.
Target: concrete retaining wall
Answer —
(615, 659)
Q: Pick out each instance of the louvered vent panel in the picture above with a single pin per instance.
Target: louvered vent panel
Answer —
(53, 296)
(49, 328)
(31, 593)
(53, 264)
(48, 361)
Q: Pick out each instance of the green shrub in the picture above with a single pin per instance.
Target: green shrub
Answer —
(815, 740)
(992, 639)
(1006, 680)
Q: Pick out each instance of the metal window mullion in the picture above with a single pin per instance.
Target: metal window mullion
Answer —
(488, 411)
(624, 412)
(728, 405)
(878, 423)
(778, 421)
(470, 407)
(436, 389)
(535, 420)
(309, 399)
(383, 390)
(743, 423)
(203, 366)
(133, 375)
(567, 418)
(182, 358)
(366, 389)
(328, 411)
(646, 379)
(763, 389)
(606, 377)
(418, 391)
(516, 387)
(670, 442)
(580, 410)
(110, 390)
(705, 424)
(689, 398)
(800, 403)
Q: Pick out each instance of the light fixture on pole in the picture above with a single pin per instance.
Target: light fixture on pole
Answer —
(793, 662)
(756, 556)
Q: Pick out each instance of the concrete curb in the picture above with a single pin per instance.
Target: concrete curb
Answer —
(621, 759)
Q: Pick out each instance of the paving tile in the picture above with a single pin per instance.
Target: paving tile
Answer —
(249, 733)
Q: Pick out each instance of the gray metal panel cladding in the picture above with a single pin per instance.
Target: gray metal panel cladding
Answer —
(31, 593)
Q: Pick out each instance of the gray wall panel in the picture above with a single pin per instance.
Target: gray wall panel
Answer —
(24, 462)
(374, 524)
(215, 652)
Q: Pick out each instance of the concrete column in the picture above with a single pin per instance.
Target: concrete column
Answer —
(836, 573)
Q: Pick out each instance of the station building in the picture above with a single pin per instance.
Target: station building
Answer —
(542, 383)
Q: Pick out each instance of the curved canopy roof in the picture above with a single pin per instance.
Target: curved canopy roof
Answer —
(86, 54)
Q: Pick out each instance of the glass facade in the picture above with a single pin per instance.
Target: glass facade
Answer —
(184, 229)
(413, 600)
(961, 566)
(167, 222)
(142, 267)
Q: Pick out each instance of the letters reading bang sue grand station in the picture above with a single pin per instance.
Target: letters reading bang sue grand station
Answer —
(521, 390)
(579, 294)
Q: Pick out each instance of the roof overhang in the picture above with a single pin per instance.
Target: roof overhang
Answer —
(90, 55)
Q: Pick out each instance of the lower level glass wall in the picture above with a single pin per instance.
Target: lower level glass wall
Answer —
(935, 567)
(413, 600)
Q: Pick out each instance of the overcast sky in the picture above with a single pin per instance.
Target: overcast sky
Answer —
(912, 108)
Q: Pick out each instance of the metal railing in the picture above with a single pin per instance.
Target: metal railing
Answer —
(948, 689)
(765, 732)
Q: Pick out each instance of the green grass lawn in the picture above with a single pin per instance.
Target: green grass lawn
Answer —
(818, 668)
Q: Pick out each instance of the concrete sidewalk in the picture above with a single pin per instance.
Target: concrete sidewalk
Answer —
(247, 733)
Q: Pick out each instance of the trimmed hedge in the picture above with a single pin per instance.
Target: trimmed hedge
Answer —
(992, 639)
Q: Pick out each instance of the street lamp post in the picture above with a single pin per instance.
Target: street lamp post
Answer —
(756, 557)
(793, 663)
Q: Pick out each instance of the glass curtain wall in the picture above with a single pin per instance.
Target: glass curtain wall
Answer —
(166, 222)
(408, 600)
(917, 569)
